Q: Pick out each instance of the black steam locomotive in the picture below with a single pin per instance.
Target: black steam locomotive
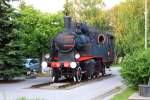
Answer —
(80, 51)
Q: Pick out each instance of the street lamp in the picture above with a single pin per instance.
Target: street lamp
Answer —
(146, 20)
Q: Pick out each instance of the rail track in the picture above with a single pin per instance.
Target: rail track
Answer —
(68, 83)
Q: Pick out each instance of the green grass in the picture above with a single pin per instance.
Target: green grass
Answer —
(124, 95)
(23, 98)
(43, 75)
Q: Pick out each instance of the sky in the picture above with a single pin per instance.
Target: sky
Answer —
(53, 6)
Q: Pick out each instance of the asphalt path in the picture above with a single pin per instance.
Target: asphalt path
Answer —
(96, 90)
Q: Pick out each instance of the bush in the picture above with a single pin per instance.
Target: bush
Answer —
(8, 74)
(136, 68)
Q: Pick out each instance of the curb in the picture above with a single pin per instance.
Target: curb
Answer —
(109, 94)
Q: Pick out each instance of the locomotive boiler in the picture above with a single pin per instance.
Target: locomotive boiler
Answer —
(80, 51)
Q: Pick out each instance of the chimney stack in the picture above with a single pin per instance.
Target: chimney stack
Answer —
(67, 22)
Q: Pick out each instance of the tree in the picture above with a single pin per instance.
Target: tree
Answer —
(135, 68)
(37, 29)
(10, 54)
(89, 11)
(127, 20)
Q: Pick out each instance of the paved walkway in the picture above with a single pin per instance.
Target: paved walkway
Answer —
(85, 92)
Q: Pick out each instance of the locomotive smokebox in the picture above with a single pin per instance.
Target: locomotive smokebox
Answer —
(67, 22)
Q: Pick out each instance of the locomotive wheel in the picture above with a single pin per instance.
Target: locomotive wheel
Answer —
(55, 75)
(68, 77)
(55, 79)
(78, 75)
(89, 77)
(103, 70)
(90, 67)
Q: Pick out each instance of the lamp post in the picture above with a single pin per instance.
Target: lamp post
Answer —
(146, 20)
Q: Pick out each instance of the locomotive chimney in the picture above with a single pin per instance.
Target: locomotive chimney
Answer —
(67, 22)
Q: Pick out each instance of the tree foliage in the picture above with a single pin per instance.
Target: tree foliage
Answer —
(135, 68)
(36, 30)
(89, 11)
(10, 54)
(127, 20)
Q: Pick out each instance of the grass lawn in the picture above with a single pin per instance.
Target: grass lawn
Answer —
(124, 94)
(23, 98)
(43, 75)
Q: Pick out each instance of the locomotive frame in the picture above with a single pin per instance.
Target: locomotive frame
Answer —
(80, 52)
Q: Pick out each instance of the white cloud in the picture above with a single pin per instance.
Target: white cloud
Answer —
(47, 5)
(53, 6)
(111, 3)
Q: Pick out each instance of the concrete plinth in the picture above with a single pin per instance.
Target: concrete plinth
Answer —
(136, 96)
(55, 86)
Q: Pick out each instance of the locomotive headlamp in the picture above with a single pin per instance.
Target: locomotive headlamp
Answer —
(77, 56)
(44, 64)
(47, 56)
(73, 64)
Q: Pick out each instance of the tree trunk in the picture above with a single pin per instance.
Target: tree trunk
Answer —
(40, 62)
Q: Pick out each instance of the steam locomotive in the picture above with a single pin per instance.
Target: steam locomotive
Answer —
(80, 51)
